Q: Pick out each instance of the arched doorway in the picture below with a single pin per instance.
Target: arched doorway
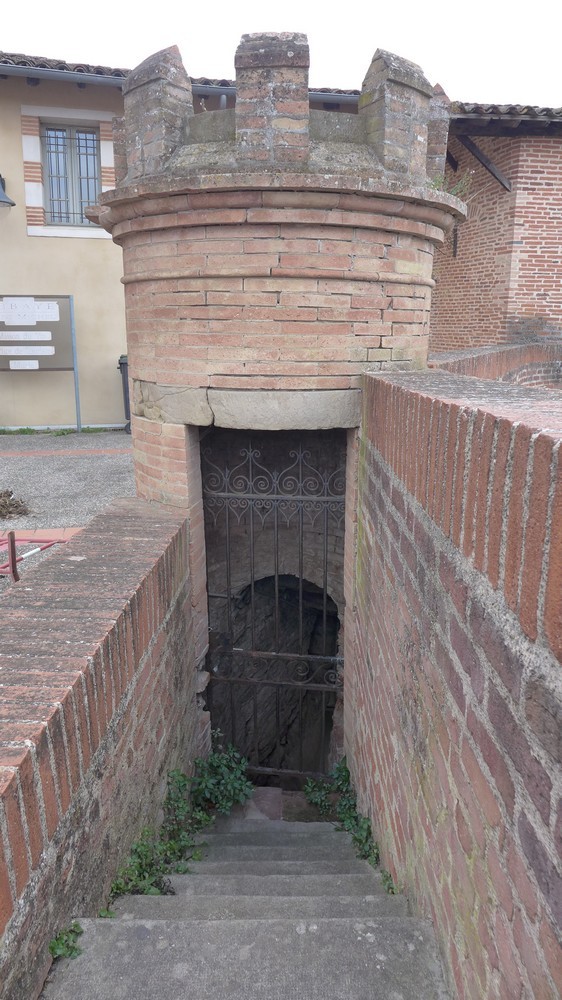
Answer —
(278, 709)
(274, 524)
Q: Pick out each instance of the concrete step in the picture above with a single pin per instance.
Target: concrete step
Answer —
(194, 884)
(270, 833)
(369, 959)
(257, 907)
(296, 867)
(233, 824)
(307, 851)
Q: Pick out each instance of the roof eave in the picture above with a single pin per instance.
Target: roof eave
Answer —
(61, 75)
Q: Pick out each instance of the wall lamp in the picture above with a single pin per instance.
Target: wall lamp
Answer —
(5, 202)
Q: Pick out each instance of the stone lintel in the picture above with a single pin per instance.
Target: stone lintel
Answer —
(264, 409)
(278, 410)
(171, 404)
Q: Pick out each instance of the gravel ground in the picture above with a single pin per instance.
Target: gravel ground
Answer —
(62, 488)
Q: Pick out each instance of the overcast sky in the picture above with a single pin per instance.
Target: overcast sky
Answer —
(478, 50)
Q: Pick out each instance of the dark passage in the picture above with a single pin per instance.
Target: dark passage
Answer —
(278, 711)
(274, 527)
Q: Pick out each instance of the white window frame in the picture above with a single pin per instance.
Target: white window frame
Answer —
(36, 195)
(62, 153)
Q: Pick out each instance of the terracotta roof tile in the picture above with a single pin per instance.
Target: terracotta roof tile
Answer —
(460, 109)
(61, 66)
(41, 62)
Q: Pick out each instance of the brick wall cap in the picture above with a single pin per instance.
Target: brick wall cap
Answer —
(268, 49)
(535, 408)
(164, 65)
(550, 348)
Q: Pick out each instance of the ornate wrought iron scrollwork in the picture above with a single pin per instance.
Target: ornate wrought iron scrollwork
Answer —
(297, 489)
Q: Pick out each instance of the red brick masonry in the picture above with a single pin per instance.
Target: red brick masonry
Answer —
(534, 363)
(500, 277)
(97, 702)
(452, 696)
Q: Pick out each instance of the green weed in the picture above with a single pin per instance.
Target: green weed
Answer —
(219, 782)
(183, 819)
(388, 883)
(318, 794)
(64, 944)
(18, 430)
(459, 187)
(338, 787)
(144, 873)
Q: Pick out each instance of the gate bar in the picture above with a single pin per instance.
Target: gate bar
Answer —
(294, 685)
(256, 654)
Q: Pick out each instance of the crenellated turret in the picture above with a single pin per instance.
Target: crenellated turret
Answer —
(274, 253)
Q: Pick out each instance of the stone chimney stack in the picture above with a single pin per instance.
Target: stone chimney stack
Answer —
(272, 104)
(394, 105)
(158, 103)
(437, 133)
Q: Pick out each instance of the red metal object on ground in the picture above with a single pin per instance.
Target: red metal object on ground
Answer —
(10, 541)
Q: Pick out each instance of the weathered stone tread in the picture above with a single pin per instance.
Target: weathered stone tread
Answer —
(366, 959)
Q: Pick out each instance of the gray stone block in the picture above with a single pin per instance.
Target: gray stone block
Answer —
(259, 907)
(277, 885)
(340, 959)
(276, 410)
(313, 851)
(274, 866)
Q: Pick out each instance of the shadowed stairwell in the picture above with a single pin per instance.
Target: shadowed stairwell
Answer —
(276, 909)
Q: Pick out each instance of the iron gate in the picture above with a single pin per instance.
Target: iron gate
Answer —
(274, 511)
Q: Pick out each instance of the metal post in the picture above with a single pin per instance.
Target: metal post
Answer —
(75, 364)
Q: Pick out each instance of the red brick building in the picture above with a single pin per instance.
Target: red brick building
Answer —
(499, 276)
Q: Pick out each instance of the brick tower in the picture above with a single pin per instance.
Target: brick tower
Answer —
(272, 254)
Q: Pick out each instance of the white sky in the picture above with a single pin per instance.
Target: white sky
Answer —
(478, 50)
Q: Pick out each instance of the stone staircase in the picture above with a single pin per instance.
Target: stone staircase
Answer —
(276, 911)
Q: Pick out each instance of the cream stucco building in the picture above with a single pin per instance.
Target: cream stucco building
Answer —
(56, 157)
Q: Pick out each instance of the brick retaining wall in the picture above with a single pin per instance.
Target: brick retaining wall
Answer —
(534, 363)
(98, 702)
(453, 690)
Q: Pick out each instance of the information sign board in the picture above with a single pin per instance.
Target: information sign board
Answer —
(37, 334)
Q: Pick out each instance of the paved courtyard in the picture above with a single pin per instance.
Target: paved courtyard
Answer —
(64, 480)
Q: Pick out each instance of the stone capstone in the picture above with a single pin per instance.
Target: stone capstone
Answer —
(288, 410)
(171, 404)
(239, 409)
